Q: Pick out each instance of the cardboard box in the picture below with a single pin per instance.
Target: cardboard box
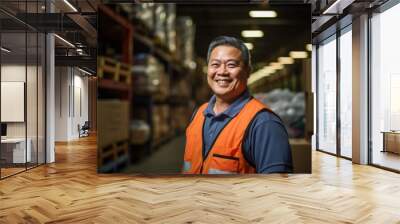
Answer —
(161, 125)
(160, 22)
(170, 27)
(139, 132)
(185, 40)
(112, 121)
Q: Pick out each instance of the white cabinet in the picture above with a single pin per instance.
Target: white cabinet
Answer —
(17, 145)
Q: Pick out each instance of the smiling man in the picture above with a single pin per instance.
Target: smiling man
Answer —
(234, 133)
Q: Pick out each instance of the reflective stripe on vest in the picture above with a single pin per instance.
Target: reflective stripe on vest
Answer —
(225, 155)
(215, 171)
(186, 166)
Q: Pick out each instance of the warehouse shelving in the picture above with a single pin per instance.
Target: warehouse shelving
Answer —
(112, 85)
(114, 92)
(145, 106)
(175, 70)
(166, 57)
(119, 30)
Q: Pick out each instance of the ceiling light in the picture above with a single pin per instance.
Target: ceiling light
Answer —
(259, 74)
(249, 46)
(65, 41)
(308, 47)
(334, 5)
(298, 54)
(156, 82)
(268, 69)
(84, 71)
(338, 6)
(285, 60)
(70, 5)
(256, 76)
(262, 14)
(5, 50)
(276, 65)
(252, 33)
(205, 69)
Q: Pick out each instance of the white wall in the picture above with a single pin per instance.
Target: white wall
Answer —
(13, 72)
(62, 81)
(71, 94)
(80, 110)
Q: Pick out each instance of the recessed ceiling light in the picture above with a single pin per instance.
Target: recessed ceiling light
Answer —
(256, 76)
(259, 74)
(5, 49)
(298, 54)
(84, 71)
(337, 7)
(286, 60)
(308, 47)
(268, 69)
(70, 5)
(252, 33)
(263, 14)
(249, 46)
(276, 65)
(64, 40)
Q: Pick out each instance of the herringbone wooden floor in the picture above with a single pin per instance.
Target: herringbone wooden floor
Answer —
(70, 191)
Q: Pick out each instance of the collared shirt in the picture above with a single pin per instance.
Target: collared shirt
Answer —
(266, 145)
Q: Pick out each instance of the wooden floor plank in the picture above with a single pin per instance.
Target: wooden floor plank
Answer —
(70, 191)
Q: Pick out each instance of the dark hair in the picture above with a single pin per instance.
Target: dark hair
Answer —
(234, 42)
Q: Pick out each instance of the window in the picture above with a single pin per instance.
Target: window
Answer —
(345, 92)
(327, 96)
(22, 77)
(385, 88)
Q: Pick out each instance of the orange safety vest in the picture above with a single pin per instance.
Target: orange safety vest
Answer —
(225, 155)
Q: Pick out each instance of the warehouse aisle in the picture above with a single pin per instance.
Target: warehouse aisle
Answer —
(166, 159)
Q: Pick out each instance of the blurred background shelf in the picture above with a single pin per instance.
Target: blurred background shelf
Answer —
(110, 84)
(114, 67)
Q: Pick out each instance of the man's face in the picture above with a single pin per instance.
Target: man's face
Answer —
(227, 75)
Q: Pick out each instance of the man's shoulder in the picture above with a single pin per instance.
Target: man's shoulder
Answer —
(265, 116)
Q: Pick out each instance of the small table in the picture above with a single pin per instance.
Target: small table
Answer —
(391, 141)
(13, 150)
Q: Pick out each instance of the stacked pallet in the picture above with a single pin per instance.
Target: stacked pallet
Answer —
(113, 70)
(113, 115)
(114, 157)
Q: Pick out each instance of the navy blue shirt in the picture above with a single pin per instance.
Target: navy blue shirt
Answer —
(266, 145)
